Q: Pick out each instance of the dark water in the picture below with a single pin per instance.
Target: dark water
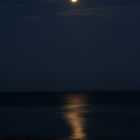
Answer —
(79, 116)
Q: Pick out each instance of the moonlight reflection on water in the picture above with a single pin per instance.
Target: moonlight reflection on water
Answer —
(74, 115)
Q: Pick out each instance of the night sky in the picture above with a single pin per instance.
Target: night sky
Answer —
(50, 45)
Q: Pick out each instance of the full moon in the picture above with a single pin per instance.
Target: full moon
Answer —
(74, 1)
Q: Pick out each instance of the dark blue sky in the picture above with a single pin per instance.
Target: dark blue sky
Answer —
(53, 45)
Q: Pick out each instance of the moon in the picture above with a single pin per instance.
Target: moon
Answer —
(74, 1)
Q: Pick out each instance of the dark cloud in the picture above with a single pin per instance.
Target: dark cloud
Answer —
(5, 6)
(103, 11)
(33, 18)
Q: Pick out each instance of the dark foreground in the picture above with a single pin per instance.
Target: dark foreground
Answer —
(71, 116)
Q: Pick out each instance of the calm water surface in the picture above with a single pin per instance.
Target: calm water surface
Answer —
(73, 116)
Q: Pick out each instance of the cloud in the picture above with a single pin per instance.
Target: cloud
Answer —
(5, 6)
(103, 11)
(33, 18)
(10, 6)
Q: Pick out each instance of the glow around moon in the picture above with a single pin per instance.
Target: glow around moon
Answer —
(74, 1)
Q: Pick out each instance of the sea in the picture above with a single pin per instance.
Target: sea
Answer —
(70, 115)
